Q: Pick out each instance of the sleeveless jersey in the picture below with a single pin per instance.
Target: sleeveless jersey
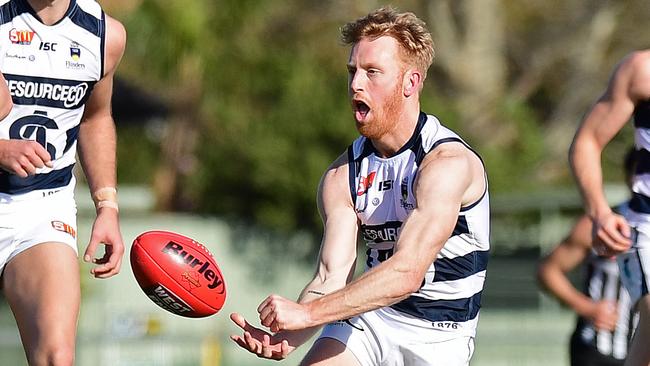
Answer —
(50, 72)
(382, 192)
(640, 201)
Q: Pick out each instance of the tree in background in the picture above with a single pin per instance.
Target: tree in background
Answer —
(258, 93)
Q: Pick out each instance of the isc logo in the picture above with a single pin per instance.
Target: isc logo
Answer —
(24, 37)
(47, 46)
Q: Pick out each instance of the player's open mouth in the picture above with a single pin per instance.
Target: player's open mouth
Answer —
(361, 110)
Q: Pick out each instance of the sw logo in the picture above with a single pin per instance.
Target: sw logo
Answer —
(22, 37)
(63, 227)
(75, 51)
(365, 183)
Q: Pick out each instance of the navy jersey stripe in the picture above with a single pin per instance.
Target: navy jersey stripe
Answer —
(459, 310)
(87, 21)
(352, 174)
(13, 184)
(451, 269)
(102, 43)
(6, 13)
(461, 226)
(643, 162)
(642, 115)
(640, 203)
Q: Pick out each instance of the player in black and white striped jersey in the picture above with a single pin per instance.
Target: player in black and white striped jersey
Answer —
(606, 320)
(627, 96)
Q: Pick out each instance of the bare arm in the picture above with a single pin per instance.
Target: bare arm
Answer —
(565, 257)
(96, 147)
(449, 177)
(336, 263)
(629, 84)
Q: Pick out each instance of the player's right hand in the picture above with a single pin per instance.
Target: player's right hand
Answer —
(604, 315)
(611, 234)
(23, 157)
(260, 342)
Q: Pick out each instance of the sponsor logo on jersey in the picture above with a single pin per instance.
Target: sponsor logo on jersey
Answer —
(167, 300)
(75, 55)
(204, 268)
(48, 46)
(68, 94)
(382, 233)
(19, 57)
(22, 37)
(404, 188)
(75, 51)
(365, 183)
(63, 227)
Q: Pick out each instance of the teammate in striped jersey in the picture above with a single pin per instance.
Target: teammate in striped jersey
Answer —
(418, 195)
(58, 58)
(627, 95)
(605, 316)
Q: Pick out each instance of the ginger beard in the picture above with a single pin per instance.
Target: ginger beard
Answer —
(384, 117)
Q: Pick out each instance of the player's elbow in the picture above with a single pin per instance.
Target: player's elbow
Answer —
(409, 281)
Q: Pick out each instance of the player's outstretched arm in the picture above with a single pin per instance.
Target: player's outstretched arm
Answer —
(565, 257)
(336, 263)
(96, 147)
(629, 84)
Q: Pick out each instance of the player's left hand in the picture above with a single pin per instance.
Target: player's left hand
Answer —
(278, 313)
(106, 231)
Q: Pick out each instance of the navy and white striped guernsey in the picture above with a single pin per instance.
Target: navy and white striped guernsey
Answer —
(50, 72)
(382, 192)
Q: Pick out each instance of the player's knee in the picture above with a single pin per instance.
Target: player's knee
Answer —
(53, 355)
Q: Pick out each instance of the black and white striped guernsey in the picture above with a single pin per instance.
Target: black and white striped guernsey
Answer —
(382, 192)
(50, 71)
(602, 282)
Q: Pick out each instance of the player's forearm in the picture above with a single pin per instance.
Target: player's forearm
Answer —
(561, 288)
(585, 162)
(97, 152)
(379, 287)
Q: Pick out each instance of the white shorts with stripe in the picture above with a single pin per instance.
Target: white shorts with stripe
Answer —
(35, 218)
(376, 339)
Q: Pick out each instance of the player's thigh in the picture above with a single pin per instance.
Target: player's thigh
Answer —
(329, 352)
(41, 285)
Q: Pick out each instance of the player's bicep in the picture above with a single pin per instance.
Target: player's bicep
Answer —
(440, 190)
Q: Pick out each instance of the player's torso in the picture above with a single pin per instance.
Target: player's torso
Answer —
(382, 191)
(50, 73)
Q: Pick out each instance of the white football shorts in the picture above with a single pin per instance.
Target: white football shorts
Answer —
(34, 218)
(375, 340)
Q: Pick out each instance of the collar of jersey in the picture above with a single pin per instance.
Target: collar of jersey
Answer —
(22, 6)
(422, 118)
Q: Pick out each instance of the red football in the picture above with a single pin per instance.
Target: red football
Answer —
(178, 274)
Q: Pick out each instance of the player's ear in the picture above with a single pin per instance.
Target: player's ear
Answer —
(412, 80)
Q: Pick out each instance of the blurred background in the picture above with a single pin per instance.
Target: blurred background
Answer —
(229, 111)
